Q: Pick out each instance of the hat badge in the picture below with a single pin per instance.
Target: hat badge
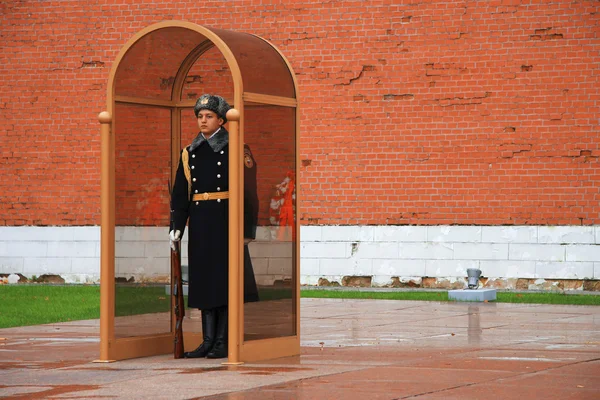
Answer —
(204, 101)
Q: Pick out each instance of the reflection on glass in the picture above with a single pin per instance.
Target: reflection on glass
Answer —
(209, 74)
(143, 168)
(149, 67)
(263, 70)
(142, 264)
(269, 132)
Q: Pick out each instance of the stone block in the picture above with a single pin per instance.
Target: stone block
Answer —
(507, 268)
(455, 234)
(426, 251)
(399, 267)
(37, 233)
(481, 251)
(85, 234)
(583, 253)
(344, 266)
(90, 266)
(129, 249)
(311, 233)
(23, 249)
(308, 266)
(400, 234)
(537, 252)
(142, 233)
(509, 234)
(378, 250)
(456, 268)
(46, 266)
(564, 270)
(566, 234)
(347, 234)
(71, 249)
(10, 265)
(157, 249)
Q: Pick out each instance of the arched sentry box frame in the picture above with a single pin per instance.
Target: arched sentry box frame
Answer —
(152, 89)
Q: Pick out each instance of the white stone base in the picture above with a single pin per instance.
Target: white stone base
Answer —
(386, 254)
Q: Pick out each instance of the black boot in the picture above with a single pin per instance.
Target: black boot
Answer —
(209, 327)
(219, 350)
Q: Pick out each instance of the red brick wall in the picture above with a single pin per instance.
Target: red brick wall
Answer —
(480, 112)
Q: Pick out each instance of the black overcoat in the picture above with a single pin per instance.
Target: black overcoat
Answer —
(207, 221)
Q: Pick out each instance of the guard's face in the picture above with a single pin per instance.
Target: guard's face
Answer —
(208, 122)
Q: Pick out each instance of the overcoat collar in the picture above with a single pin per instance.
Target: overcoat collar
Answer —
(216, 142)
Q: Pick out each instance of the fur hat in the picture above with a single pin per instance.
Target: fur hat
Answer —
(216, 104)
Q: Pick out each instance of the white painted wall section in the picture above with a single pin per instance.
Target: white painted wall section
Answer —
(329, 252)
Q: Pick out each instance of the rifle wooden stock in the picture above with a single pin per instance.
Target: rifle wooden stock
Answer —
(178, 303)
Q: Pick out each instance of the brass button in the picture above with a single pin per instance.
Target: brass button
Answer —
(205, 196)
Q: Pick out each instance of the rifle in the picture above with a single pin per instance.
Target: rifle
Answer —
(178, 300)
(179, 306)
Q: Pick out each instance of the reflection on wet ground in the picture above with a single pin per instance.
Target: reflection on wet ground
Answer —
(351, 349)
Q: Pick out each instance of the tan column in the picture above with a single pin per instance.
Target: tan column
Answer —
(107, 238)
(235, 250)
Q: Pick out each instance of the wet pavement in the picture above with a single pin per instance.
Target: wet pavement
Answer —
(351, 349)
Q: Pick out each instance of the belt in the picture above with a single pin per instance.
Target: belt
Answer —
(210, 196)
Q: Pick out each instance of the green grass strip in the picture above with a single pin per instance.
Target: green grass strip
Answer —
(22, 305)
(139, 299)
(549, 298)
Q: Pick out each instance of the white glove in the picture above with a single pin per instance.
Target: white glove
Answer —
(174, 236)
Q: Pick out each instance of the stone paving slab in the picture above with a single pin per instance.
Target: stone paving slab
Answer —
(351, 349)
